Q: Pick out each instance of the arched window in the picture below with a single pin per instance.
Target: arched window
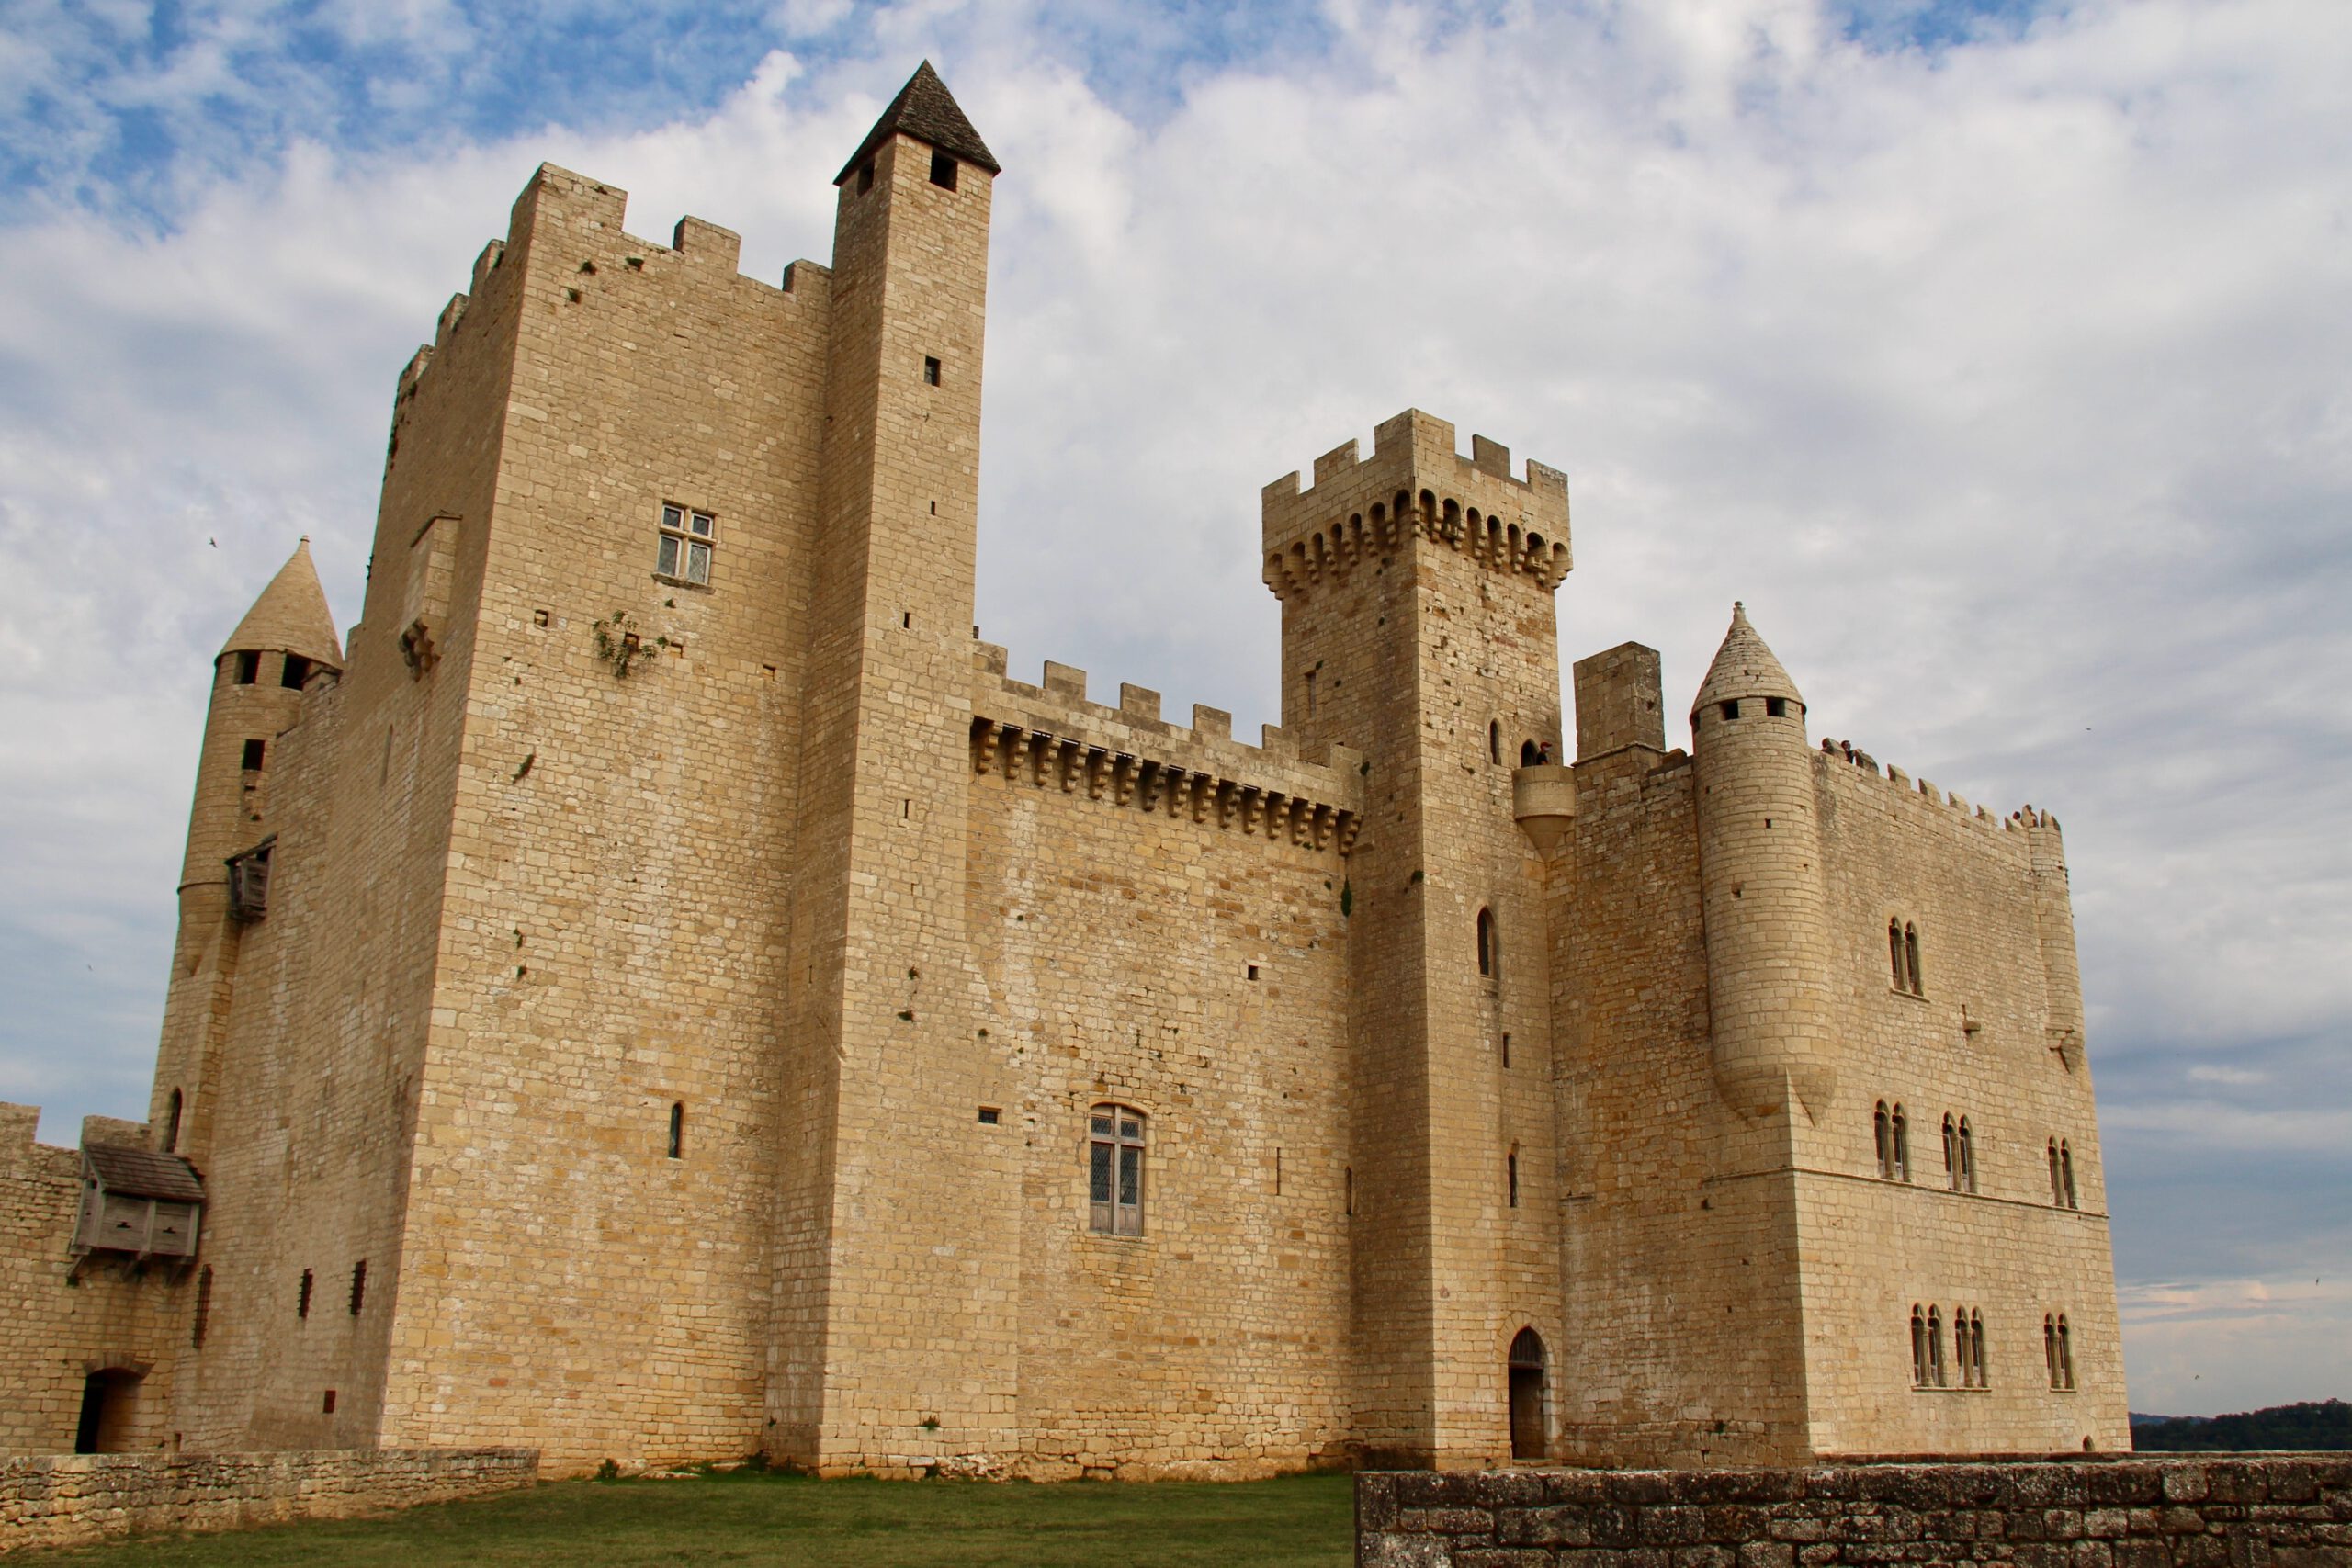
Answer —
(2066, 1173)
(1976, 1347)
(1952, 1153)
(1963, 1361)
(1527, 1423)
(1494, 740)
(171, 1125)
(1902, 1144)
(2050, 1347)
(1911, 959)
(1883, 1129)
(1918, 1348)
(1529, 754)
(1114, 1171)
(1936, 1346)
(2057, 1186)
(1489, 958)
(678, 1130)
(1967, 1158)
(2065, 1354)
(1894, 951)
(1510, 1174)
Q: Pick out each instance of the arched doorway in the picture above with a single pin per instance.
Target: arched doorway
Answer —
(108, 1397)
(1527, 1395)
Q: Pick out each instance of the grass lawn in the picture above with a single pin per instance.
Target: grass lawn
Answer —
(749, 1517)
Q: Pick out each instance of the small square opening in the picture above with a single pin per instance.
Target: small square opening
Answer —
(248, 668)
(1776, 707)
(930, 371)
(1253, 971)
(942, 170)
(990, 1115)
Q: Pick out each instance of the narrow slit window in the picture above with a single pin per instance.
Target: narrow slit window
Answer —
(1911, 959)
(1506, 1048)
(1882, 1130)
(1894, 951)
(1489, 960)
(1348, 1190)
(1967, 1158)
(326, 1404)
(1114, 1171)
(1935, 1346)
(2057, 1186)
(2066, 1173)
(1902, 1130)
(1510, 1169)
(2065, 1354)
(1976, 1347)
(1951, 1154)
(203, 1321)
(171, 1125)
(2050, 1348)
(358, 1286)
(1918, 1348)
(930, 371)
(678, 1130)
(1495, 741)
(303, 1297)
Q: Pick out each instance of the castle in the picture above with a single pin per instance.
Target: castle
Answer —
(662, 990)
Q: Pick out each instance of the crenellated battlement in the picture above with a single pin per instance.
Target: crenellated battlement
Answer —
(1051, 737)
(562, 212)
(1361, 508)
(1856, 763)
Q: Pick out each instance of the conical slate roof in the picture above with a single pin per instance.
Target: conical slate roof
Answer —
(291, 615)
(1743, 667)
(927, 111)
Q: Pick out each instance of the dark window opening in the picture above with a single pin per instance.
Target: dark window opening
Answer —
(930, 371)
(1967, 1158)
(1510, 1174)
(326, 1405)
(1528, 754)
(171, 1125)
(1882, 1135)
(1730, 708)
(1506, 1048)
(303, 1300)
(1902, 1145)
(248, 668)
(1918, 1348)
(1253, 971)
(1348, 1179)
(1911, 959)
(253, 755)
(990, 1115)
(942, 170)
(297, 670)
(678, 1130)
(865, 178)
(202, 1323)
(1776, 707)
(1894, 951)
(2067, 1172)
(358, 1286)
(1488, 957)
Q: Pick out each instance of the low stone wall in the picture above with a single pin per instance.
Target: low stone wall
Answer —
(2177, 1511)
(73, 1499)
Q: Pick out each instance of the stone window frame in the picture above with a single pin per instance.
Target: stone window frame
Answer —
(2058, 1351)
(1116, 1137)
(683, 531)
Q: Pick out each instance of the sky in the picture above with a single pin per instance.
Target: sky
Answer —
(1994, 354)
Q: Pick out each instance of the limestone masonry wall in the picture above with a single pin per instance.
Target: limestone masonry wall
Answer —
(2253, 1511)
(75, 1499)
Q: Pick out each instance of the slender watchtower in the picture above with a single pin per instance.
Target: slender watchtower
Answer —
(871, 1368)
(1418, 627)
(257, 678)
(1760, 878)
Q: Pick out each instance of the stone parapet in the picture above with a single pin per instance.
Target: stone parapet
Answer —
(2283, 1510)
(1051, 737)
(73, 1499)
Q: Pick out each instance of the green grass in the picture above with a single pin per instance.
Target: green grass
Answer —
(762, 1518)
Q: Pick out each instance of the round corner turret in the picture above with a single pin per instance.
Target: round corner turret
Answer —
(1746, 682)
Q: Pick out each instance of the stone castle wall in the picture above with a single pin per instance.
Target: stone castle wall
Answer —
(61, 1500)
(2283, 1511)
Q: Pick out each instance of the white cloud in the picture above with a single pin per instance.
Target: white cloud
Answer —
(2003, 383)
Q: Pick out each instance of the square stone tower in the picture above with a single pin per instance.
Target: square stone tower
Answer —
(1417, 628)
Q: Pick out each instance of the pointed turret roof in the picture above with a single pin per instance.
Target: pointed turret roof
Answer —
(927, 111)
(291, 614)
(1743, 667)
